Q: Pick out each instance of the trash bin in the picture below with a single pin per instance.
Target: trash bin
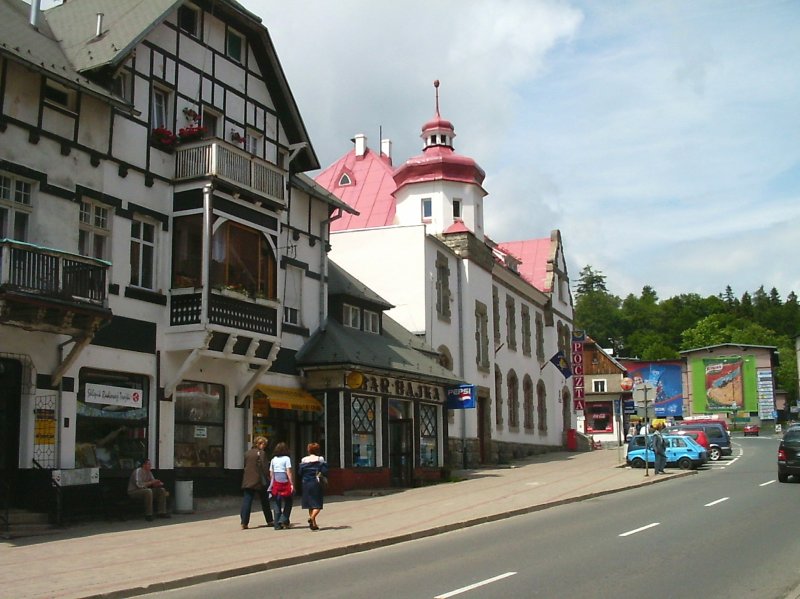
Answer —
(572, 440)
(184, 497)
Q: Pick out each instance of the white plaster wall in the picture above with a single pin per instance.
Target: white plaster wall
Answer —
(391, 261)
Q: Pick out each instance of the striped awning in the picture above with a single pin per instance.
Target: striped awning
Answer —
(287, 398)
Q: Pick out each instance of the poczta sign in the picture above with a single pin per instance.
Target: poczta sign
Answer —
(578, 390)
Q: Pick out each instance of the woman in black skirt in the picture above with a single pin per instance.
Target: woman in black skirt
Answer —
(312, 470)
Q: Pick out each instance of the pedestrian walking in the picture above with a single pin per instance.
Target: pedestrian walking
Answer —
(660, 449)
(281, 486)
(313, 471)
(255, 481)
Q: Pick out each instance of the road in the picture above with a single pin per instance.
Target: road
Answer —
(727, 532)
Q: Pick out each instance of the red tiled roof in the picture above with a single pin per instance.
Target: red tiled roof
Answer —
(534, 255)
(369, 192)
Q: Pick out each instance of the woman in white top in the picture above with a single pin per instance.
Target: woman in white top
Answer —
(281, 485)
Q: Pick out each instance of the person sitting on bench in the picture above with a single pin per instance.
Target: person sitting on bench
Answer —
(145, 487)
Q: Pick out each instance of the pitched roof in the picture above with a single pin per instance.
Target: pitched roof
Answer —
(534, 255)
(341, 282)
(369, 190)
(127, 22)
(39, 49)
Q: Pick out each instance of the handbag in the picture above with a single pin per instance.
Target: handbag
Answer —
(322, 479)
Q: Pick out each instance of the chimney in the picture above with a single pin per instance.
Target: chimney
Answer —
(36, 6)
(361, 145)
(99, 31)
(386, 149)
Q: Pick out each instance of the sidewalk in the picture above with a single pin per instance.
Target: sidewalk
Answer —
(123, 559)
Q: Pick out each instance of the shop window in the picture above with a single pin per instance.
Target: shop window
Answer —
(428, 442)
(363, 429)
(242, 260)
(15, 208)
(199, 425)
(111, 427)
(599, 417)
(143, 254)
(187, 257)
(94, 230)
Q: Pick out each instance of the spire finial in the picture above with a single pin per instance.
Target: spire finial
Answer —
(436, 85)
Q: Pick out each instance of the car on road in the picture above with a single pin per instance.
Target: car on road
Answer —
(698, 436)
(717, 436)
(789, 455)
(751, 430)
(682, 451)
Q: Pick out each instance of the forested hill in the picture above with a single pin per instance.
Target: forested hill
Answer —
(648, 328)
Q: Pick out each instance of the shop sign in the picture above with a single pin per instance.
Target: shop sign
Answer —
(45, 427)
(113, 396)
(461, 397)
(400, 388)
(77, 476)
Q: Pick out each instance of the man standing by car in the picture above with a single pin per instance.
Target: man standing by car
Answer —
(660, 449)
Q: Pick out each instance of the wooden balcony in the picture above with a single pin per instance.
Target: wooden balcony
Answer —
(42, 289)
(224, 312)
(216, 158)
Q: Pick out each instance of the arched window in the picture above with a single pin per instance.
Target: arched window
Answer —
(541, 405)
(512, 383)
(527, 399)
(498, 397)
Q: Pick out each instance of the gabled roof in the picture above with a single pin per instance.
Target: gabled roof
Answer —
(369, 191)
(307, 184)
(38, 49)
(341, 282)
(739, 346)
(127, 22)
(534, 255)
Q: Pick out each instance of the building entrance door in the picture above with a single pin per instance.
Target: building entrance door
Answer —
(10, 391)
(401, 452)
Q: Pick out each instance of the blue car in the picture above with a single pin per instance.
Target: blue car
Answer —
(682, 451)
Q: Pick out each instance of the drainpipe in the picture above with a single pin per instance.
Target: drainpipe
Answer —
(459, 286)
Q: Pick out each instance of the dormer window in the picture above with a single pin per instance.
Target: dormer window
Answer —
(351, 317)
(345, 180)
(372, 322)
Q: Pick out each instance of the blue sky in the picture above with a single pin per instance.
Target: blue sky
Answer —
(661, 138)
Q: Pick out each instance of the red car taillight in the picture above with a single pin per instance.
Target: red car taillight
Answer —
(781, 455)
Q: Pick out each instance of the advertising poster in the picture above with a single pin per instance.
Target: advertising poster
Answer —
(665, 378)
(723, 384)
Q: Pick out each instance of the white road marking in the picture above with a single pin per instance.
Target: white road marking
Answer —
(769, 482)
(635, 530)
(474, 586)
(717, 501)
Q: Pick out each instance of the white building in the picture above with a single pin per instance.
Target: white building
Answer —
(496, 312)
(155, 267)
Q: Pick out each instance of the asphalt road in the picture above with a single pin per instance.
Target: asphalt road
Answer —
(727, 532)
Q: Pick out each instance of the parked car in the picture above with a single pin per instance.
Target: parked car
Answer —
(682, 451)
(751, 429)
(718, 437)
(789, 454)
(699, 436)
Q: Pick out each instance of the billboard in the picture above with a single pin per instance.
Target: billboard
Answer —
(724, 384)
(665, 378)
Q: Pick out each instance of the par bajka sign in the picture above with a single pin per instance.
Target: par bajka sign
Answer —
(461, 397)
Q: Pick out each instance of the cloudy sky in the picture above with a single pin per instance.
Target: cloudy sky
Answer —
(661, 138)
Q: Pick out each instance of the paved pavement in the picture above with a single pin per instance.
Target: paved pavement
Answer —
(122, 559)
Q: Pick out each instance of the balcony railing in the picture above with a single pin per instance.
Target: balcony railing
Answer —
(215, 158)
(51, 273)
(187, 309)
